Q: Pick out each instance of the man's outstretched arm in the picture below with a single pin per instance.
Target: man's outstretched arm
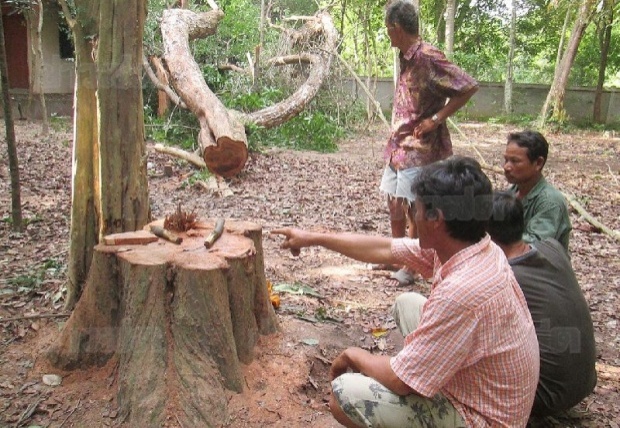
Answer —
(368, 249)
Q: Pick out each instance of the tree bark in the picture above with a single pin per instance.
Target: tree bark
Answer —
(84, 194)
(16, 206)
(178, 319)
(123, 187)
(557, 92)
(450, 15)
(508, 108)
(607, 20)
(109, 190)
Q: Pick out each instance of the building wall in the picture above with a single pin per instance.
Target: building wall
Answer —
(58, 74)
(528, 99)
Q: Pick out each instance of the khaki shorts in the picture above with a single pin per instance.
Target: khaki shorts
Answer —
(369, 404)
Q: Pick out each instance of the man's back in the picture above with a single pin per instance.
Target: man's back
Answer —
(563, 326)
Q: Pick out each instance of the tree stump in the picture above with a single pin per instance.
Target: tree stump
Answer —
(179, 319)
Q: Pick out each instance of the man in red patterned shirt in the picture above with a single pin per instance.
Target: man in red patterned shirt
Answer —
(470, 356)
(428, 91)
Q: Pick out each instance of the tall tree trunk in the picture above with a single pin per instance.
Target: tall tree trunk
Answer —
(555, 98)
(16, 206)
(605, 42)
(124, 196)
(34, 22)
(85, 206)
(39, 54)
(109, 165)
(450, 15)
(508, 107)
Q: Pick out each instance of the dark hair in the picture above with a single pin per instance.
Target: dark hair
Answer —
(506, 225)
(536, 145)
(403, 13)
(461, 191)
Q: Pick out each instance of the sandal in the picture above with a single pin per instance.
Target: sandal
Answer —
(403, 277)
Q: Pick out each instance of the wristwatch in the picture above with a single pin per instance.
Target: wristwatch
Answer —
(435, 118)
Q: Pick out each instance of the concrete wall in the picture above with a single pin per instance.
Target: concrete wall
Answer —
(58, 74)
(528, 99)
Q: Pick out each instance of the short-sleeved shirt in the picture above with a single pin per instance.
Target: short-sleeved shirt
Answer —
(476, 342)
(545, 214)
(563, 326)
(426, 81)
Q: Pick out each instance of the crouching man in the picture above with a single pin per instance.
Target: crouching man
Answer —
(470, 355)
(559, 310)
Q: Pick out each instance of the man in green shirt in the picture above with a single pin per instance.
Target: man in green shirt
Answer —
(545, 209)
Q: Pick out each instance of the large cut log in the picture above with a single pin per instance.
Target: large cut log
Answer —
(178, 319)
(223, 140)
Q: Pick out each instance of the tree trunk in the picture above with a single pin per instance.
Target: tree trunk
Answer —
(450, 15)
(508, 108)
(178, 319)
(555, 98)
(605, 42)
(16, 206)
(110, 191)
(34, 21)
(123, 186)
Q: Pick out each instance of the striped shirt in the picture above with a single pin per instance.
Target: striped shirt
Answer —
(476, 342)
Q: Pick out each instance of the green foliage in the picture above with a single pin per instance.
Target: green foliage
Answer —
(201, 175)
(308, 131)
(179, 128)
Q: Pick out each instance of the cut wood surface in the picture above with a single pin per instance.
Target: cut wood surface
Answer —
(140, 237)
(179, 319)
(223, 140)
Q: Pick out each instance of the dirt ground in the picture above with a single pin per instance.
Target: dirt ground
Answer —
(344, 304)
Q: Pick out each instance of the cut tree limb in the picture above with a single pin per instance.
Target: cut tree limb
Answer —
(192, 158)
(320, 28)
(223, 140)
(222, 136)
(161, 86)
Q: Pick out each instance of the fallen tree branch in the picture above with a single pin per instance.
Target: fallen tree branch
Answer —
(372, 99)
(166, 88)
(71, 412)
(607, 372)
(232, 67)
(192, 158)
(34, 317)
(590, 219)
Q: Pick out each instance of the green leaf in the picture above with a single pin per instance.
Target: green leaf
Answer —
(296, 288)
(310, 342)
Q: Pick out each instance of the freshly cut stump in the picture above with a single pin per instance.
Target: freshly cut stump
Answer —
(179, 319)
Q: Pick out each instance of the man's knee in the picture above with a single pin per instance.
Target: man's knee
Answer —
(338, 413)
(407, 311)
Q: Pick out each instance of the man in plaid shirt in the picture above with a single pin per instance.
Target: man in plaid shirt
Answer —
(470, 356)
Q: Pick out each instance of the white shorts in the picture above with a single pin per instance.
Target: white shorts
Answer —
(398, 183)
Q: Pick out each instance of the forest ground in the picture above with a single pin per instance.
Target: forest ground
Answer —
(344, 303)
